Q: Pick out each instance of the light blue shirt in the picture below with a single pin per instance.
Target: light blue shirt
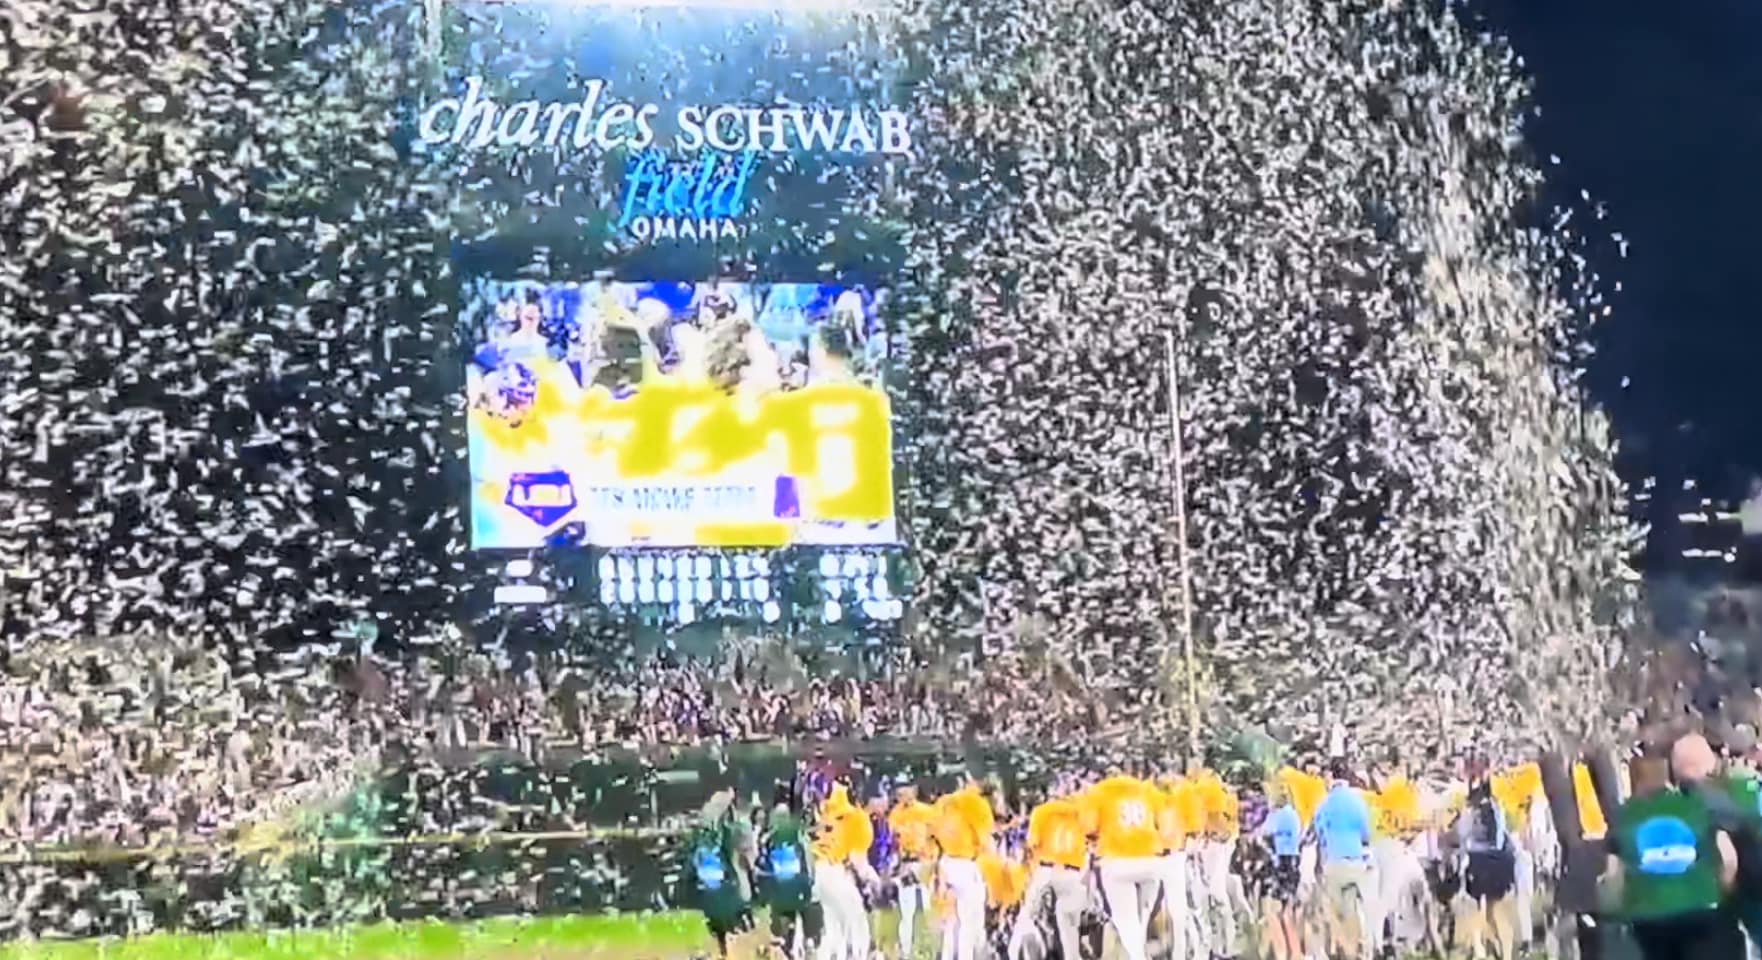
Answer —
(1342, 824)
(1284, 829)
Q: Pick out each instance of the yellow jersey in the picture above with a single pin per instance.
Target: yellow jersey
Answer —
(1172, 827)
(837, 800)
(1121, 813)
(1306, 792)
(1218, 803)
(1189, 801)
(963, 824)
(1516, 789)
(1398, 807)
(846, 833)
(912, 822)
(1590, 808)
(1056, 836)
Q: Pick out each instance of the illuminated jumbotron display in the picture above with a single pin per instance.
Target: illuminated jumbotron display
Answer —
(679, 415)
(676, 337)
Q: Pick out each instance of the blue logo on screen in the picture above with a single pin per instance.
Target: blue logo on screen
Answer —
(1667, 847)
(696, 199)
(543, 498)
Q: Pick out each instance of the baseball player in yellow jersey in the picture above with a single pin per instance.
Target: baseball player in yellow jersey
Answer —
(1217, 848)
(1188, 802)
(1121, 813)
(963, 830)
(911, 820)
(1005, 877)
(1058, 855)
(1172, 831)
(841, 853)
(1399, 892)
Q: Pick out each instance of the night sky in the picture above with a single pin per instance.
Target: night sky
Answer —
(1656, 110)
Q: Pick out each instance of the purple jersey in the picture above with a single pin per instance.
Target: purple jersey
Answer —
(884, 852)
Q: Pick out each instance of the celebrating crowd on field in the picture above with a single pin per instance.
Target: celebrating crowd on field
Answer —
(1340, 854)
(1352, 864)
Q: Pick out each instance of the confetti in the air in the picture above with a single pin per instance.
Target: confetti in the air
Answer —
(232, 433)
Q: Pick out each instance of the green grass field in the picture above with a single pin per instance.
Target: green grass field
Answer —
(662, 936)
(676, 935)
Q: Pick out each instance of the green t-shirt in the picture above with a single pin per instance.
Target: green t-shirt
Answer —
(713, 870)
(1745, 790)
(787, 863)
(1669, 855)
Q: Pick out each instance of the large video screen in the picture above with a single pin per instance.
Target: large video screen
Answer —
(678, 414)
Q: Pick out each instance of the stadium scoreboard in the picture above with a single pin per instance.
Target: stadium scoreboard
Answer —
(673, 303)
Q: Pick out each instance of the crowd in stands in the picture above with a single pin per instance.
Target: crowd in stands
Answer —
(127, 744)
(135, 742)
(682, 700)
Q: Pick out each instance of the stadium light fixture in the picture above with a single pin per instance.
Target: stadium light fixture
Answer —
(1750, 514)
(522, 594)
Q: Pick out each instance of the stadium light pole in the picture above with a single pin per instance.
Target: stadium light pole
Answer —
(1172, 373)
(433, 21)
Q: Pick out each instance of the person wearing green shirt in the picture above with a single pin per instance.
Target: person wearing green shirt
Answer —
(1732, 798)
(1744, 788)
(786, 881)
(716, 871)
(1670, 870)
